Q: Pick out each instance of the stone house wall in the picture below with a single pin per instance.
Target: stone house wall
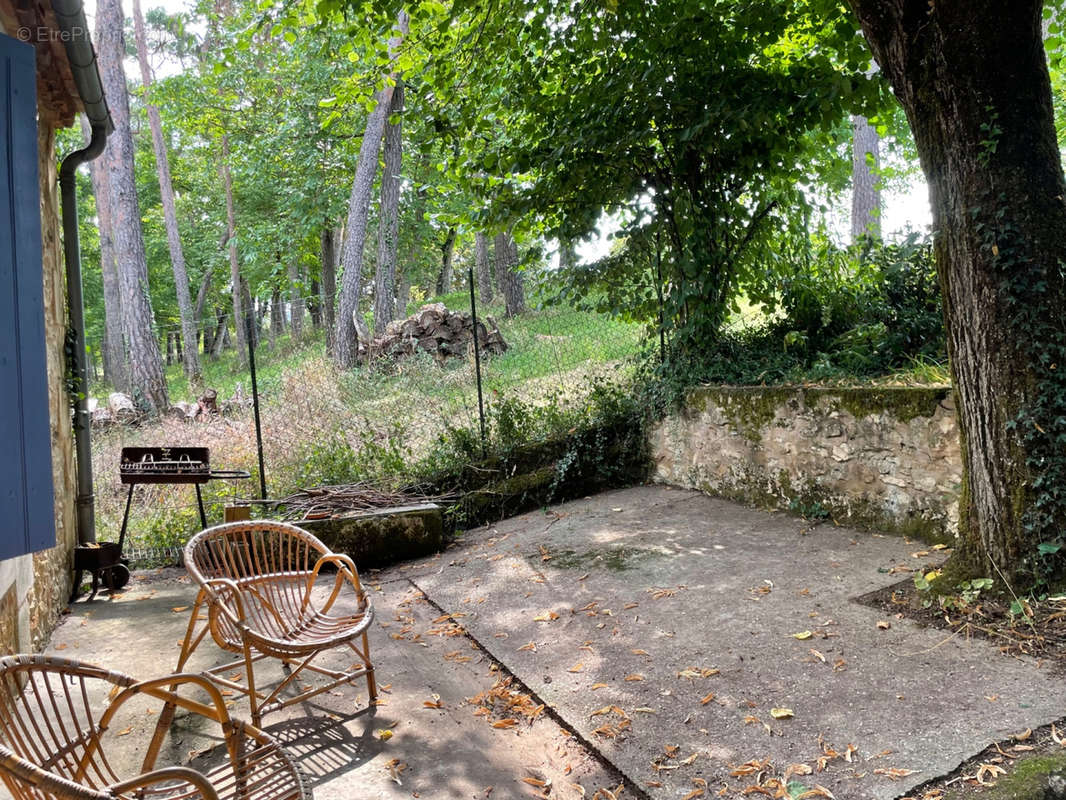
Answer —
(885, 459)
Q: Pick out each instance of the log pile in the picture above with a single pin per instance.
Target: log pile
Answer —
(438, 331)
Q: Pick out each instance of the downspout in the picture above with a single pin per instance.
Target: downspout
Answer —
(70, 15)
(86, 513)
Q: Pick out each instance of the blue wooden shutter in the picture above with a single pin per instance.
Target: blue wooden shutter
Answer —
(27, 520)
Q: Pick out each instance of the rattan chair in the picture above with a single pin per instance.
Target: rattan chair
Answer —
(55, 714)
(270, 592)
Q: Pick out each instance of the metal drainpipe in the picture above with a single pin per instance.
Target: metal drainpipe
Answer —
(86, 513)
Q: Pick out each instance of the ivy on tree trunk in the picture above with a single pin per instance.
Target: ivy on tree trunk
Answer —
(972, 77)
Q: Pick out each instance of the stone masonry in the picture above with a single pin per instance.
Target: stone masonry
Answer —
(877, 458)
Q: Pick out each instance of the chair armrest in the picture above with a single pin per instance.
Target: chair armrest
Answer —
(345, 569)
(210, 587)
(190, 776)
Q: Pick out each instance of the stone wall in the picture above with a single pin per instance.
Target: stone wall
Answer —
(51, 568)
(879, 458)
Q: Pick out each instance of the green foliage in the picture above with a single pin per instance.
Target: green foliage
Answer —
(356, 456)
(843, 315)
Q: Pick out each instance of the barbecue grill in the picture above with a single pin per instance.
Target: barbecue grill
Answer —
(143, 465)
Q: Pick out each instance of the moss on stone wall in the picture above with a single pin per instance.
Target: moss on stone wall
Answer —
(902, 402)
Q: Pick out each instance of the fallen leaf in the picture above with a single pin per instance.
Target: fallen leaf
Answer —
(384, 735)
(989, 771)
(125, 731)
(636, 676)
(706, 699)
(639, 652)
(547, 616)
(883, 625)
(781, 713)
(802, 635)
(530, 646)
(510, 722)
(817, 655)
(177, 609)
(895, 773)
(578, 667)
(1021, 737)
(596, 686)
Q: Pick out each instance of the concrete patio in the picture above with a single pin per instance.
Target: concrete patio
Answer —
(681, 645)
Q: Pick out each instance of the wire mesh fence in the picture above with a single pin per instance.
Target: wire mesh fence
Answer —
(321, 425)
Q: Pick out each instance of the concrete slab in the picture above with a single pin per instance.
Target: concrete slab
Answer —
(339, 742)
(665, 627)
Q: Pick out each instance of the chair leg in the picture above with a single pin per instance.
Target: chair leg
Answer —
(257, 717)
(371, 684)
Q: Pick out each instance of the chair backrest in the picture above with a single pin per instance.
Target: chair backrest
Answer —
(240, 550)
(49, 727)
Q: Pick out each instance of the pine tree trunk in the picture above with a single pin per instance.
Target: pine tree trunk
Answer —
(865, 183)
(115, 370)
(972, 77)
(403, 294)
(201, 302)
(234, 261)
(276, 317)
(514, 296)
(484, 268)
(389, 216)
(329, 283)
(190, 357)
(296, 302)
(447, 252)
(146, 378)
(347, 331)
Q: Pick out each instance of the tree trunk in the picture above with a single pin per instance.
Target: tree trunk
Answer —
(567, 254)
(865, 183)
(484, 268)
(389, 216)
(329, 283)
(403, 294)
(219, 340)
(346, 330)
(277, 323)
(447, 250)
(514, 296)
(145, 363)
(234, 261)
(190, 357)
(201, 301)
(114, 349)
(972, 77)
(296, 302)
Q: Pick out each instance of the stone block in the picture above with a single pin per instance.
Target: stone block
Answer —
(382, 536)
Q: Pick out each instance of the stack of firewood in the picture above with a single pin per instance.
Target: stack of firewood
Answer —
(438, 331)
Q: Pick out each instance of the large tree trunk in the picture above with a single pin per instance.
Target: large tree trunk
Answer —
(389, 216)
(972, 77)
(865, 184)
(145, 363)
(234, 261)
(329, 283)
(114, 350)
(514, 295)
(346, 330)
(484, 268)
(447, 252)
(190, 356)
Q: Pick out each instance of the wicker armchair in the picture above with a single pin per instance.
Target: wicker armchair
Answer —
(259, 585)
(55, 712)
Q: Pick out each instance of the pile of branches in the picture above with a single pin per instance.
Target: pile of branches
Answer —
(438, 331)
(323, 502)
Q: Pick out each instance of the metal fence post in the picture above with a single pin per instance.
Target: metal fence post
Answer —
(477, 360)
(255, 404)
